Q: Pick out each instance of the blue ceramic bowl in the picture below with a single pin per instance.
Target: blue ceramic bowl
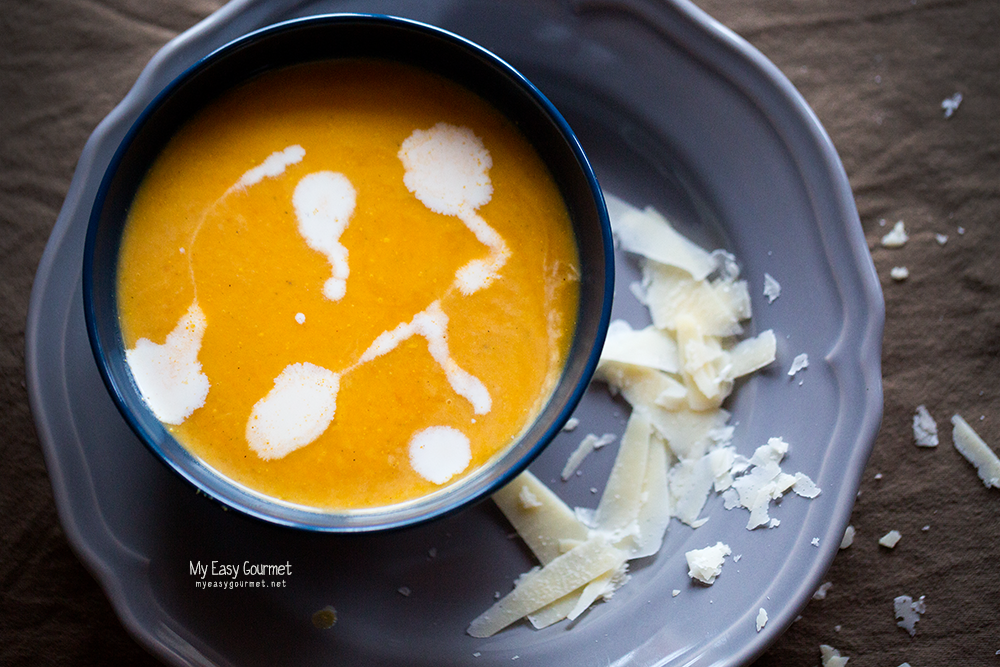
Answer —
(325, 38)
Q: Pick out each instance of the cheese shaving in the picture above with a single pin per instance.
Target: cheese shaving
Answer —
(705, 565)
(589, 443)
(772, 288)
(908, 612)
(897, 237)
(976, 452)
(925, 431)
(890, 539)
(761, 619)
(831, 657)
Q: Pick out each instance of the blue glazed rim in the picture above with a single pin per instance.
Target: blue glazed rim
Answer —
(297, 41)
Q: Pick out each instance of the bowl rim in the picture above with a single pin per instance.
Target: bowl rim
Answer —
(255, 504)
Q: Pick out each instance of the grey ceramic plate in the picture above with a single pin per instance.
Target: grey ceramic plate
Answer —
(674, 111)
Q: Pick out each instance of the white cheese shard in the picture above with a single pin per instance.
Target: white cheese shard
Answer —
(804, 486)
(897, 237)
(823, 589)
(899, 273)
(925, 431)
(941, 238)
(619, 505)
(718, 306)
(705, 565)
(890, 539)
(950, 104)
(772, 288)
(589, 443)
(848, 538)
(528, 499)
(831, 657)
(908, 612)
(647, 233)
(541, 527)
(763, 482)
(562, 575)
(752, 354)
(798, 363)
(649, 347)
(976, 452)
(761, 619)
(571, 424)
(654, 514)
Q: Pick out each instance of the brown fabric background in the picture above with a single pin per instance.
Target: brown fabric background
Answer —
(874, 72)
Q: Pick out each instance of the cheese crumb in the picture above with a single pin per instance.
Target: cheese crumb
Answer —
(848, 538)
(589, 443)
(924, 428)
(705, 565)
(831, 657)
(976, 452)
(798, 363)
(908, 612)
(897, 237)
(950, 104)
(571, 424)
(899, 273)
(941, 238)
(761, 619)
(823, 589)
(772, 289)
(675, 592)
(815, 542)
(528, 499)
(890, 539)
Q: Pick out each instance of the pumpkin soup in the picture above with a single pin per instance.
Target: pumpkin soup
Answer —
(347, 284)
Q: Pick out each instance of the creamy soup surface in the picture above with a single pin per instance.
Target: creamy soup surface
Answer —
(347, 284)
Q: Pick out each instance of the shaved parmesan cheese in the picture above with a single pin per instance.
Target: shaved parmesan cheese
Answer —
(542, 527)
(647, 347)
(821, 592)
(640, 385)
(908, 612)
(950, 104)
(772, 289)
(925, 431)
(619, 506)
(976, 452)
(761, 619)
(562, 575)
(798, 363)
(589, 443)
(897, 237)
(705, 565)
(717, 306)
(831, 657)
(571, 424)
(752, 354)
(804, 486)
(649, 234)
(890, 539)
(848, 539)
(654, 515)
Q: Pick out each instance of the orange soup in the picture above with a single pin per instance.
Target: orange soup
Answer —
(347, 284)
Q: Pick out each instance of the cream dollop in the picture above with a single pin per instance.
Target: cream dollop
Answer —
(295, 412)
(447, 169)
(438, 453)
(169, 376)
(432, 324)
(324, 203)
